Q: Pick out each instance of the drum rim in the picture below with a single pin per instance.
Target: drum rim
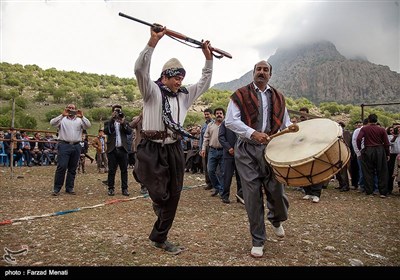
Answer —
(305, 160)
(302, 161)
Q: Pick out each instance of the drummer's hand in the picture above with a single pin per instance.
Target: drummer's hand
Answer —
(260, 137)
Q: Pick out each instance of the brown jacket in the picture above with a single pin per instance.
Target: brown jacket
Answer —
(97, 144)
(136, 124)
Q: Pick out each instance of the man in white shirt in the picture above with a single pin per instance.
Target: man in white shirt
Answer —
(160, 163)
(70, 125)
(256, 111)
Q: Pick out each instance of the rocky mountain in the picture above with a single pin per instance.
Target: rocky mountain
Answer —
(318, 72)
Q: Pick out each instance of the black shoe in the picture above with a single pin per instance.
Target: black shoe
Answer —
(215, 193)
(168, 247)
(111, 192)
(125, 192)
(208, 187)
(344, 189)
(70, 192)
(226, 200)
(55, 193)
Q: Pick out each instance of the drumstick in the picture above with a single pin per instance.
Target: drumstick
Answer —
(291, 128)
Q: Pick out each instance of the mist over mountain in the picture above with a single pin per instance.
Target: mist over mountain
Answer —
(318, 72)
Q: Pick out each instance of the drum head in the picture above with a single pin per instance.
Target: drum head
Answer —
(314, 137)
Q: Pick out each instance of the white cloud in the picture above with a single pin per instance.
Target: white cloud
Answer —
(90, 36)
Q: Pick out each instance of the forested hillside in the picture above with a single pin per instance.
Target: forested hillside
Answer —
(42, 94)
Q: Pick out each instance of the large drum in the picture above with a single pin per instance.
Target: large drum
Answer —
(310, 156)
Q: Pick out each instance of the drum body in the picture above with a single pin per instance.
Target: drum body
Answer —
(310, 156)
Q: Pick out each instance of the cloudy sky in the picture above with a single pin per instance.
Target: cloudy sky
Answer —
(90, 36)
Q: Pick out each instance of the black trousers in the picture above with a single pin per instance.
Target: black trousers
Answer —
(229, 169)
(160, 168)
(374, 161)
(117, 157)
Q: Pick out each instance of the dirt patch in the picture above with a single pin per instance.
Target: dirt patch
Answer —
(344, 229)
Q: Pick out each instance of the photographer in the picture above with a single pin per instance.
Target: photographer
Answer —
(394, 141)
(70, 125)
(117, 129)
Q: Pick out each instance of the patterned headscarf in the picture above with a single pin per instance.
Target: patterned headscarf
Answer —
(166, 109)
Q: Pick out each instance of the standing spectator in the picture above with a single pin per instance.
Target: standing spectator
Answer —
(160, 163)
(87, 150)
(70, 125)
(256, 111)
(84, 149)
(313, 191)
(117, 129)
(342, 176)
(358, 154)
(394, 141)
(137, 125)
(193, 158)
(354, 168)
(228, 138)
(208, 117)
(215, 155)
(99, 143)
(396, 171)
(374, 155)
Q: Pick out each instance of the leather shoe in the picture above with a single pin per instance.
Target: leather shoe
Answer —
(208, 187)
(70, 192)
(125, 192)
(55, 193)
(226, 200)
(168, 247)
(344, 190)
(215, 193)
(111, 192)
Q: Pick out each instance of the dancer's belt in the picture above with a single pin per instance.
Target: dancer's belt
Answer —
(158, 135)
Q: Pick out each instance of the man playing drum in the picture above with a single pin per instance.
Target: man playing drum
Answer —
(256, 111)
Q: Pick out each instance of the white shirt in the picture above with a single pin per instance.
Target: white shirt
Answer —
(354, 142)
(70, 130)
(118, 141)
(152, 99)
(233, 118)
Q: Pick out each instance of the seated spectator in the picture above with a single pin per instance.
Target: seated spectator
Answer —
(37, 149)
(13, 145)
(49, 148)
(26, 149)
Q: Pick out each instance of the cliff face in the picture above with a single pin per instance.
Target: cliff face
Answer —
(320, 73)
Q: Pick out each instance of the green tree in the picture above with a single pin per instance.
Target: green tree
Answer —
(59, 95)
(53, 113)
(40, 97)
(194, 118)
(26, 121)
(89, 99)
(5, 120)
(21, 102)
